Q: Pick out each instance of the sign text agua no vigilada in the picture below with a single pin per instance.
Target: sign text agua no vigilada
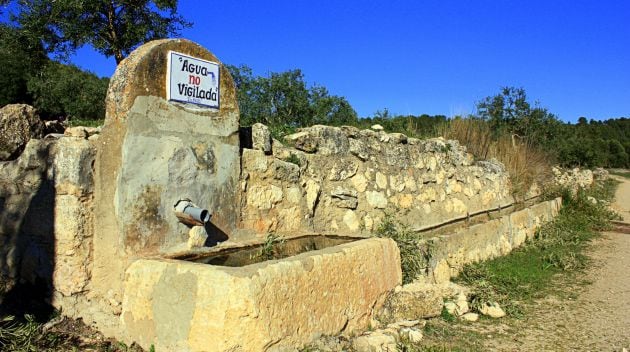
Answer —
(192, 80)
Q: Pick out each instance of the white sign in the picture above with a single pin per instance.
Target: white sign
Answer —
(192, 80)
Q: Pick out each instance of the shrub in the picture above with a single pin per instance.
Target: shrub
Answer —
(67, 91)
(413, 258)
(270, 247)
(19, 336)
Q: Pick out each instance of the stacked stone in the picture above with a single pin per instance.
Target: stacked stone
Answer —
(344, 179)
(573, 179)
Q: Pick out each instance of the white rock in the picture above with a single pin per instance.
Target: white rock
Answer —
(492, 309)
(450, 307)
(376, 341)
(359, 182)
(313, 190)
(368, 222)
(351, 220)
(254, 160)
(381, 180)
(375, 323)
(78, 132)
(413, 335)
(264, 198)
(197, 237)
(457, 308)
(462, 307)
(261, 138)
(377, 127)
(461, 304)
(92, 130)
(376, 199)
(470, 317)
(294, 195)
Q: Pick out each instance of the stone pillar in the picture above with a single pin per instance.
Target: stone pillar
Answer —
(154, 151)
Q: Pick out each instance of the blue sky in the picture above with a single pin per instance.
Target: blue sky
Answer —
(434, 57)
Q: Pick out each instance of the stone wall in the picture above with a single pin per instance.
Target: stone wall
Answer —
(82, 212)
(46, 214)
(26, 250)
(572, 178)
(342, 179)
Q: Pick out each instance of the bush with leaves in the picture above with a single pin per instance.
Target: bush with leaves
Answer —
(283, 101)
(21, 59)
(413, 256)
(66, 91)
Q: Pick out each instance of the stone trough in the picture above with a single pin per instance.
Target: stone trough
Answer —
(179, 305)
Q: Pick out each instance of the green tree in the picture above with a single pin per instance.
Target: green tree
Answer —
(617, 154)
(65, 91)
(288, 99)
(509, 111)
(330, 109)
(283, 100)
(20, 58)
(112, 27)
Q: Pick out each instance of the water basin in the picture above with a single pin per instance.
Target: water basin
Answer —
(278, 249)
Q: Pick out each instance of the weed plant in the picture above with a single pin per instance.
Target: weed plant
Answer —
(271, 245)
(558, 246)
(19, 336)
(414, 255)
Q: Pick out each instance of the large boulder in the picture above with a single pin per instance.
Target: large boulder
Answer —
(18, 124)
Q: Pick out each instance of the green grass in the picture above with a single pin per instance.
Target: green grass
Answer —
(558, 247)
(443, 336)
(27, 334)
(446, 316)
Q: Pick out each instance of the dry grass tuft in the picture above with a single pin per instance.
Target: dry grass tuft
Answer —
(527, 164)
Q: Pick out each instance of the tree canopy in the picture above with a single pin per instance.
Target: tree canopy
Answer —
(20, 58)
(112, 27)
(586, 143)
(510, 111)
(57, 90)
(283, 100)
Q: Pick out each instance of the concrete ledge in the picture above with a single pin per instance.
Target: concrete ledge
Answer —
(184, 306)
(449, 253)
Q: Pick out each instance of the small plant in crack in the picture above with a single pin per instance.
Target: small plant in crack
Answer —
(271, 246)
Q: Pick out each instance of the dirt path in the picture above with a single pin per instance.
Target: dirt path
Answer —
(595, 317)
